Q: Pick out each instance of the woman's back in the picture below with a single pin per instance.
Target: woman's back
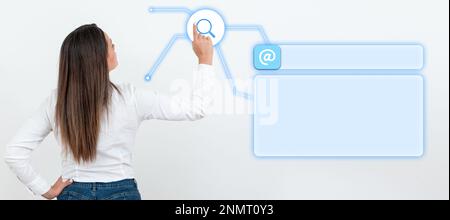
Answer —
(95, 121)
(115, 140)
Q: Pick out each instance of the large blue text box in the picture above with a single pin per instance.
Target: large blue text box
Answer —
(343, 115)
(352, 56)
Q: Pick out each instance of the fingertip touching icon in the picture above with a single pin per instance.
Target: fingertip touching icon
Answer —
(204, 27)
(209, 23)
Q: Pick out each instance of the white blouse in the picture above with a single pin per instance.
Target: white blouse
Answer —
(116, 137)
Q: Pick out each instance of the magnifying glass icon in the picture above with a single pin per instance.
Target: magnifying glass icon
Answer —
(204, 26)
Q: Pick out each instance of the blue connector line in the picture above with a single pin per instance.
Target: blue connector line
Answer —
(249, 27)
(163, 54)
(225, 68)
(175, 37)
(169, 10)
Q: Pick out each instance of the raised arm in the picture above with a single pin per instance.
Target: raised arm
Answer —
(152, 105)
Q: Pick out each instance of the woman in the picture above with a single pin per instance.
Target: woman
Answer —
(95, 121)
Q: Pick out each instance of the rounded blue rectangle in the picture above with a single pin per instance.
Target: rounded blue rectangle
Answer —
(352, 56)
(267, 57)
(338, 115)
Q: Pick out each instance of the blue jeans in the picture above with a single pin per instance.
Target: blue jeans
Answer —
(119, 190)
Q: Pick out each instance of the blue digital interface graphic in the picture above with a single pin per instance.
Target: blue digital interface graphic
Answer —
(340, 115)
(184, 36)
(327, 99)
(267, 57)
(341, 100)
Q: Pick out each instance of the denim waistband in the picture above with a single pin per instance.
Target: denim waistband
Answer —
(115, 184)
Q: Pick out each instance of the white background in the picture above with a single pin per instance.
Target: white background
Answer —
(212, 158)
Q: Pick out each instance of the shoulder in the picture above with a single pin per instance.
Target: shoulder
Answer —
(50, 101)
(48, 105)
(127, 90)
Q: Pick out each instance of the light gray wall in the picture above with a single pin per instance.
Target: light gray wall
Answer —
(211, 158)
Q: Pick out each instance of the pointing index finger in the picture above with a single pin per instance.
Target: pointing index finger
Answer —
(194, 32)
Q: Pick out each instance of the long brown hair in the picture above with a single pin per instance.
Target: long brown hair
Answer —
(84, 91)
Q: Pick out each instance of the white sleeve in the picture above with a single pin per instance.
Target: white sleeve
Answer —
(152, 105)
(19, 149)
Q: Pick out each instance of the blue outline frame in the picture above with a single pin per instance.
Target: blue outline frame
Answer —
(352, 72)
(286, 157)
(409, 71)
